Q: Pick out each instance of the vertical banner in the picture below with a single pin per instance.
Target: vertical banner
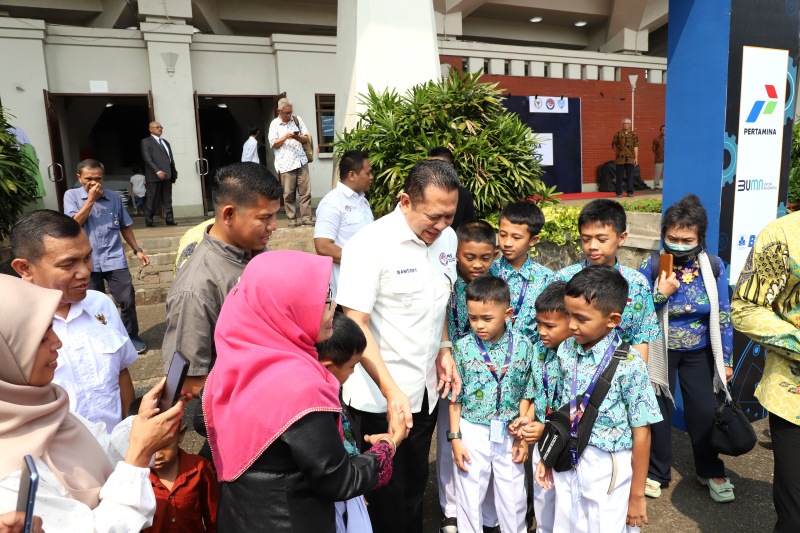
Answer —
(762, 69)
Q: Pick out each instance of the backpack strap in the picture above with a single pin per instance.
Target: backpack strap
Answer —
(604, 383)
(655, 259)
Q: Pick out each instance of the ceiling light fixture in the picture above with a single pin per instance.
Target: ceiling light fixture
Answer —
(580, 23)
(223, 106)
(536, 19)
(109, 104)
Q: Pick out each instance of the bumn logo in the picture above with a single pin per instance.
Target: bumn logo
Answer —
(760, 104)
(749, 185)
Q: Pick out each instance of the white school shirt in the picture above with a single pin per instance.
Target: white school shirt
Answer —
(404, 285)
(127, 502)
(291, 154)
(95, 349)
(250, 151)
(137, 180)
(340, 214)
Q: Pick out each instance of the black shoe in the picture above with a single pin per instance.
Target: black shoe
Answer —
(449, 525)
(619, 195)
(629, 194)
(171, 223)
(148, 224)
(487, 529)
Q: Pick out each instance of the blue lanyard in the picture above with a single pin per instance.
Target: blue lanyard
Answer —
(492, 368)
(454, 308)
(521, 296)
(575, 414)
(548, 408)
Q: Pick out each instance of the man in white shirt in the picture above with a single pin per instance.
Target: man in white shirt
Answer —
(285, 138)
(138, 190)
(344, 210)
(250, 148)
(51, 250)
(395, 280)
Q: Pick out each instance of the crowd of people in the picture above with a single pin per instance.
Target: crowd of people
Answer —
(322, 378)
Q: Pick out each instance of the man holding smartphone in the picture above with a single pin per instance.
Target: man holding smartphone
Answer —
(286, 135)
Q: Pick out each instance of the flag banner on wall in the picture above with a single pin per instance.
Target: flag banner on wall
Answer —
(548, 104)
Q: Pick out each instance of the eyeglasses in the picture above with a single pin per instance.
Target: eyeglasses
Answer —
(329, 299)
(286, 114)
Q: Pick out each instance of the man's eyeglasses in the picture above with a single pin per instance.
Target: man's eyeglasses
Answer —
(329, 299)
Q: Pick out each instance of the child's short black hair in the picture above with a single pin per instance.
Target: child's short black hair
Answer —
(346, 341)
(524, 213)
(604, 212)
(551, 298)
(133, 409)
(488, 289)
(601, 286)
(476, 231)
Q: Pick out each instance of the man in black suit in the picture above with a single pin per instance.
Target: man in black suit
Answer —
(160, 174)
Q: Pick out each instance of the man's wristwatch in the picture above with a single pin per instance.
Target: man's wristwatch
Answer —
(451, 436)
(136, 251)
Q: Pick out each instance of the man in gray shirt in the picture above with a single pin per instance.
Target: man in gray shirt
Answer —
(246, 202)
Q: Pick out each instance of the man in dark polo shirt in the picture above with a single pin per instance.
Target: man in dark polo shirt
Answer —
(246, 202)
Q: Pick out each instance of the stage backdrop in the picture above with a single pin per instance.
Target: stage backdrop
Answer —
(563, 123)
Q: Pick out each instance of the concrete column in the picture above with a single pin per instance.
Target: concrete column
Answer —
(21, 89)
(655, 76)
(572, 72)
(536, 68)
(516, 67)
(497, 67)
(556, 70)
(367, 50)
(607, 73)
(590, 72)
(474, 64)
(173, 104)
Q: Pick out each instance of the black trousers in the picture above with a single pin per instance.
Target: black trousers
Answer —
(786, 483)
(696, 370)
(120, 285)
(158, 189)
(397, 506)
(622, 170)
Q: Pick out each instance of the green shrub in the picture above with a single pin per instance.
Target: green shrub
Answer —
(493, 150)
(645, 205)
(17, 187)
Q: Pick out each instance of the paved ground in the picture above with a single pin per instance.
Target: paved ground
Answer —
(683, 507)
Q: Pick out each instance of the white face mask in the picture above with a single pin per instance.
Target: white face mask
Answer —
(681, 247)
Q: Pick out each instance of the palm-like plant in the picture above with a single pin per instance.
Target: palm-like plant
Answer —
(17, 187)
(494, 151)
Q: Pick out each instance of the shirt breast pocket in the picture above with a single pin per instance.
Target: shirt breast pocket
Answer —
(107, 360)
(405, 294)
(352, 217)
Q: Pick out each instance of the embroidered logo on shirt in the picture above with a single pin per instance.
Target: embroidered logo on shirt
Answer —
(444, 258)
(478, 394)
(101, 318)
(348, 208)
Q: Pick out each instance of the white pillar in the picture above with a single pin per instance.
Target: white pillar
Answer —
(173, 106)
(607, 73)
(516, 67)
(474, 64)
(572, 71)
(497, 67)
(655, 76)
(385, 43)
(536, 68)
(590, 72)
(555, 70)
(21, 89)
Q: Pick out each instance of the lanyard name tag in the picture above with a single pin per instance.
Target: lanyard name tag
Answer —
(497, 431)
(575, 487)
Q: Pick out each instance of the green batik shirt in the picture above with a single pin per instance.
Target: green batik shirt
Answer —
(478, 397)
(457, 319)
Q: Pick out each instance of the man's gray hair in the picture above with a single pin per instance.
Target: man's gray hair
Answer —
(283, 102)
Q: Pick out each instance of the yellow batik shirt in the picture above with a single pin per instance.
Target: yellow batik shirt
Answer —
(766, 308)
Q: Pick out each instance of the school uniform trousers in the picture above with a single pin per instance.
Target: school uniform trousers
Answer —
(446, 471)
(603, 505)
(491, 462)
(695, 369)
(544, 501)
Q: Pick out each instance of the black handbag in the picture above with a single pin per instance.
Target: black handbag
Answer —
(732, 433)
(555, 443)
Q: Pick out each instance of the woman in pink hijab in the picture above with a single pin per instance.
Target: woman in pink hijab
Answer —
(271, 409)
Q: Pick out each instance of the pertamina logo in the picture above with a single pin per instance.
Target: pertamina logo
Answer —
(764, 107)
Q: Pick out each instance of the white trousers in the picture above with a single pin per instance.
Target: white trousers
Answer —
(544, 501)
(446, 470)
(357, 516)
(659, 173)
(596, 511)
(491, 463)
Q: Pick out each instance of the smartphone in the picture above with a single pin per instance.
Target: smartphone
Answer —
(28, 483)
(175, 378)
(665, 265)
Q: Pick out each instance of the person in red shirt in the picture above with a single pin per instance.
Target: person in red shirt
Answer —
(185, 487)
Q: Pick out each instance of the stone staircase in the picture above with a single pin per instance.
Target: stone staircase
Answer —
(160, 243)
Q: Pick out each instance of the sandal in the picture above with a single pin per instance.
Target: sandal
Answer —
(652, 489)
(719, 493)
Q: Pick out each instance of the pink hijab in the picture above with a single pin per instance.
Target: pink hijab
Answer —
(267, 371)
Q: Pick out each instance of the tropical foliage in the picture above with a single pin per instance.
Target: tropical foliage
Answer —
(17, 187)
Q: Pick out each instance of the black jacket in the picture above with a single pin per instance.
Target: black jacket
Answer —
(293, 485)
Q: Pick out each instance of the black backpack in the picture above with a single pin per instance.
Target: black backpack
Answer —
(555, 443)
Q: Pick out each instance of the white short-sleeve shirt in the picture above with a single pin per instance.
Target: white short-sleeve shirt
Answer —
(95, 349)
(403, 284)
(340, 214)
(291, 154)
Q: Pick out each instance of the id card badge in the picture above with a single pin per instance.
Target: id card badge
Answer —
(497, 431)
(575, 487)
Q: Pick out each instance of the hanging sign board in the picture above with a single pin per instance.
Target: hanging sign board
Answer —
(548, 104)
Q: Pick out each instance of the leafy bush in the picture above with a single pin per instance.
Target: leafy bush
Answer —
(794, 173)
(645, 205)
(493, 150)
(560, 226)
(17, 187)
